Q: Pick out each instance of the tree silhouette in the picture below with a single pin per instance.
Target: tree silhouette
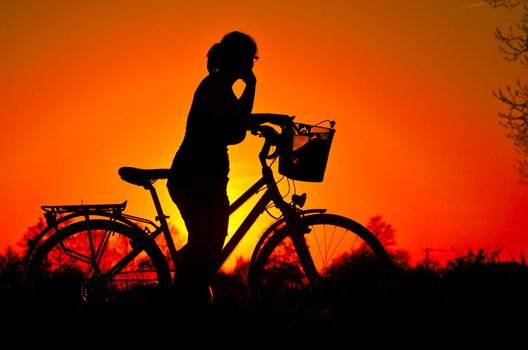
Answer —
(31, 233)
(9, 266)
(384, 231)
(386, 234)
(513, 45)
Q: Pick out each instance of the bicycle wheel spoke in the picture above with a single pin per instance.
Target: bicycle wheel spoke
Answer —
(291, 252)
(341, 240)
(94, 268)
(101, 249)
(73, 254)
(328, 254)
(329, 243)
(321, 254)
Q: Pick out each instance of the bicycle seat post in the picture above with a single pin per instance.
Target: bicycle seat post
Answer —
(162, 218)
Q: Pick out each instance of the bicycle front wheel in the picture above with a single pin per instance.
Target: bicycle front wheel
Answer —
(94, 261)
(325, 266)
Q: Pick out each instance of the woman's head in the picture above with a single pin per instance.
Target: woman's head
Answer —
(234, 54)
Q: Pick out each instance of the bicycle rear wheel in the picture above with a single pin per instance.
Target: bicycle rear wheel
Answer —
(72, 266)
(334, 266)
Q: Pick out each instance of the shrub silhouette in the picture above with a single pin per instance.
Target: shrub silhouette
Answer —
(471, 287)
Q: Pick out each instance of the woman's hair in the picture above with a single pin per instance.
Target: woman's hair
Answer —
(230, 50)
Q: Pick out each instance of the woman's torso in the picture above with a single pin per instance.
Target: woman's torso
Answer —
(214, 122)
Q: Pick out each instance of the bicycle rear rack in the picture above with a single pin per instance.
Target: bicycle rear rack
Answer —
(59, 209)
(51, 211)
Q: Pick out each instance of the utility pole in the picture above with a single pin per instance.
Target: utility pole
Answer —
(427, 258)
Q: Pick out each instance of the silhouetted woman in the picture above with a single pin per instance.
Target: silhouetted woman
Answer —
(199, 173)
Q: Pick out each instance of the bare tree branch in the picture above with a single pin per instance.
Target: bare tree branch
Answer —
(503, 3)
(514, 46)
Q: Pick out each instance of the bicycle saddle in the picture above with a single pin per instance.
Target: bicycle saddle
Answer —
(142, 177)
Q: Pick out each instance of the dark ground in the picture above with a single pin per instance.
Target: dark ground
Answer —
(474, 303)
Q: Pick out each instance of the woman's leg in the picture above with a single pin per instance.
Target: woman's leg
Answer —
(206, 216)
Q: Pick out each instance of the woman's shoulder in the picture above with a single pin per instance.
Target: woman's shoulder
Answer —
(216, 79)
(213, 83)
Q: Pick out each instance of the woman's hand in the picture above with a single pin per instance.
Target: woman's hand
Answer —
(282, 120)
(249, 78)
(248, 96)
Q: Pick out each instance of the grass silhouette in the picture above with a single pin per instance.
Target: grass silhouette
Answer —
(473, 289)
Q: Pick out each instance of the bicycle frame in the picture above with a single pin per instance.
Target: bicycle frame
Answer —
(271, 194)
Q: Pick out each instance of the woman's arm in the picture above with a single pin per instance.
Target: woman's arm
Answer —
(246, 106)
(248, 96)
(257, 119)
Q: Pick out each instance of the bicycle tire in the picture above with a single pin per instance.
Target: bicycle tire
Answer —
(350, 263)
(59, 273)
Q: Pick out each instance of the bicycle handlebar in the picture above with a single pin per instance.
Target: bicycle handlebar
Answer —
(282, 120)
(282, 140)
(271, 135)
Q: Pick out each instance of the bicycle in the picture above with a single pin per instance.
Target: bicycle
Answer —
(98, 253)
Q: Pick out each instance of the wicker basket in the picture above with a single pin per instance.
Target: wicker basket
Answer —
(305, 152)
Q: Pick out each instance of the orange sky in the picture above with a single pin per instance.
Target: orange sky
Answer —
(89, 86)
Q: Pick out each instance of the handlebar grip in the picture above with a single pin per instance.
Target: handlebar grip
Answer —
(272, 136)
(282, 120)
(267, 132)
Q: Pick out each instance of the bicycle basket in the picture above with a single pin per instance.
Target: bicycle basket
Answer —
(305, 153)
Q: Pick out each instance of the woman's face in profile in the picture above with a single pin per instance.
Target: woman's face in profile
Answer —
(245, 68)
(243, 64)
